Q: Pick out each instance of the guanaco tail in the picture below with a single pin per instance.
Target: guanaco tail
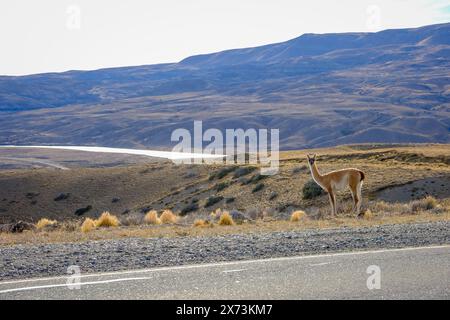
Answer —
(337, 180)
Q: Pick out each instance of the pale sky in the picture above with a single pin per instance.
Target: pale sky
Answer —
(59, 35)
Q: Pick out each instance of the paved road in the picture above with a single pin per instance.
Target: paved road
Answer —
(409, 273)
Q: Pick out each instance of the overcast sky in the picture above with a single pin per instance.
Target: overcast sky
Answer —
(59, 35)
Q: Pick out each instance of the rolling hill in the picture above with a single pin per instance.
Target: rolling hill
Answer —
(318, 89)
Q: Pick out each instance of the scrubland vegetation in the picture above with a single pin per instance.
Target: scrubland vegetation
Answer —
(152, 218)
(403, 185)
(298, 215)
(169, 224)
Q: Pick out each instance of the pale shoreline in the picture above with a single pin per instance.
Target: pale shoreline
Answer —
(142, 152)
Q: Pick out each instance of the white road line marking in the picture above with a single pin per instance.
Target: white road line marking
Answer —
(236, 270)
(230, 263)
(72, 284)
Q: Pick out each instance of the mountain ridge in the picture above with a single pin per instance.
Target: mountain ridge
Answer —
(351, 84)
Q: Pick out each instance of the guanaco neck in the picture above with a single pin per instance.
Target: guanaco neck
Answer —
(315, 173)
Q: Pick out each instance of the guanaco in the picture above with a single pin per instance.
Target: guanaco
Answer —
(337, 180)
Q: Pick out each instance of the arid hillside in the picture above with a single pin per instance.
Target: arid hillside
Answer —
(131, 186)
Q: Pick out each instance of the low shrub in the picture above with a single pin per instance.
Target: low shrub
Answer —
(258, 187)
(44, 222)
(201, 223)
(311, 190)
(243, 171)
(254, 179)
(230, 200)
(107, 220)
(368, 215)
(221, 186)
(425, 204)
(213, 200)
(88, 225)
(168, 217)
(189, 208)
(226, 219)
(299, 169)
(152, 218)
(298, 215)
(221, 173)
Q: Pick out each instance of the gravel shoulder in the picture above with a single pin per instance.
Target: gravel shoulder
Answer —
(26, 261)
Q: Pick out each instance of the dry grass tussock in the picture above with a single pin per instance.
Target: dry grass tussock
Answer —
(201, 223)
(368, 215)
(428, 204)
(226, 219)
(88, 225)
(152, 218)
(44, 222)
(258, 226)
(376, 213)
(107, 220)
(298, 215)
(168, 217)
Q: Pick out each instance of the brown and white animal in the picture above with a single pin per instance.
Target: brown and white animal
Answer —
(337, 180)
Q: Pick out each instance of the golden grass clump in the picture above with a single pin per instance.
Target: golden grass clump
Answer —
(44, 222)
(168, 217)
(226, 219)
(431, 202)
(152, 218)
(385, 208)
(107, 220)
(201, 223)
(88, 225)
(368, 215)
(424, 204)
(298, 215)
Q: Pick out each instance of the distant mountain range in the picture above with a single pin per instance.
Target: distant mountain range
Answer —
(318, 89)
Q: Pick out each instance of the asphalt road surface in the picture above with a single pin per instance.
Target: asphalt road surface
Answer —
(408, 273)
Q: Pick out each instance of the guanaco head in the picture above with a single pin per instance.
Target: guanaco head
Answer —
(311, 158)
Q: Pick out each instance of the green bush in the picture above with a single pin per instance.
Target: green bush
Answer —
(312, 190)
(243, 171)
(213, 200)
(230, 200)
(189, 208)
(254, 179)
(258, 187)
(220, 186)
(221, 173)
